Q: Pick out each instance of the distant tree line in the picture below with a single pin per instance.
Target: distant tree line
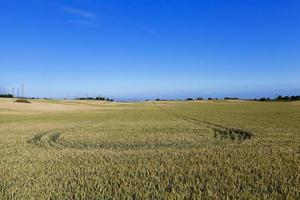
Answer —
(6, 96)
(187, 99)
(280, 98)
(163, 99)
(98, 98)
(288, 98)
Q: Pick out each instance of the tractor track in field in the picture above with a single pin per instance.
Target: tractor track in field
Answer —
(51, 137)
(220, 131)
(45, 138)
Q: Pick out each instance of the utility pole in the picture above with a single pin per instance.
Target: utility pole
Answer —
(13, 91)
(22, 91)
(18, 92)
(67, 96)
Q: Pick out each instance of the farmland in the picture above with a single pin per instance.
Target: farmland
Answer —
(53, 149)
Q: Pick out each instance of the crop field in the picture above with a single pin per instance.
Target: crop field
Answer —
(54, 149)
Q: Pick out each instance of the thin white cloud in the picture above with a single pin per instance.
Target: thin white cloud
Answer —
(78, 12)
(81, 22)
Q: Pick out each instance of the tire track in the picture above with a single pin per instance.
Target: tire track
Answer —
(220, 131)
(46, 138)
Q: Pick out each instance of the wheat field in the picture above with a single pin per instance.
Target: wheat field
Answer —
(52, 149)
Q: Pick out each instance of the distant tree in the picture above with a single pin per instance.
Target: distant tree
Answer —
(189, 99)
(99, 98)
(279, 98)
(286, 98)
(264, 99)
(199, 98)
(295, 98)
(209, 98)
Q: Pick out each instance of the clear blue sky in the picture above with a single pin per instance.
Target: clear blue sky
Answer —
(150, 48)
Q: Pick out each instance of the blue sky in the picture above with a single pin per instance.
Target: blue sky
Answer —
(150, 48)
